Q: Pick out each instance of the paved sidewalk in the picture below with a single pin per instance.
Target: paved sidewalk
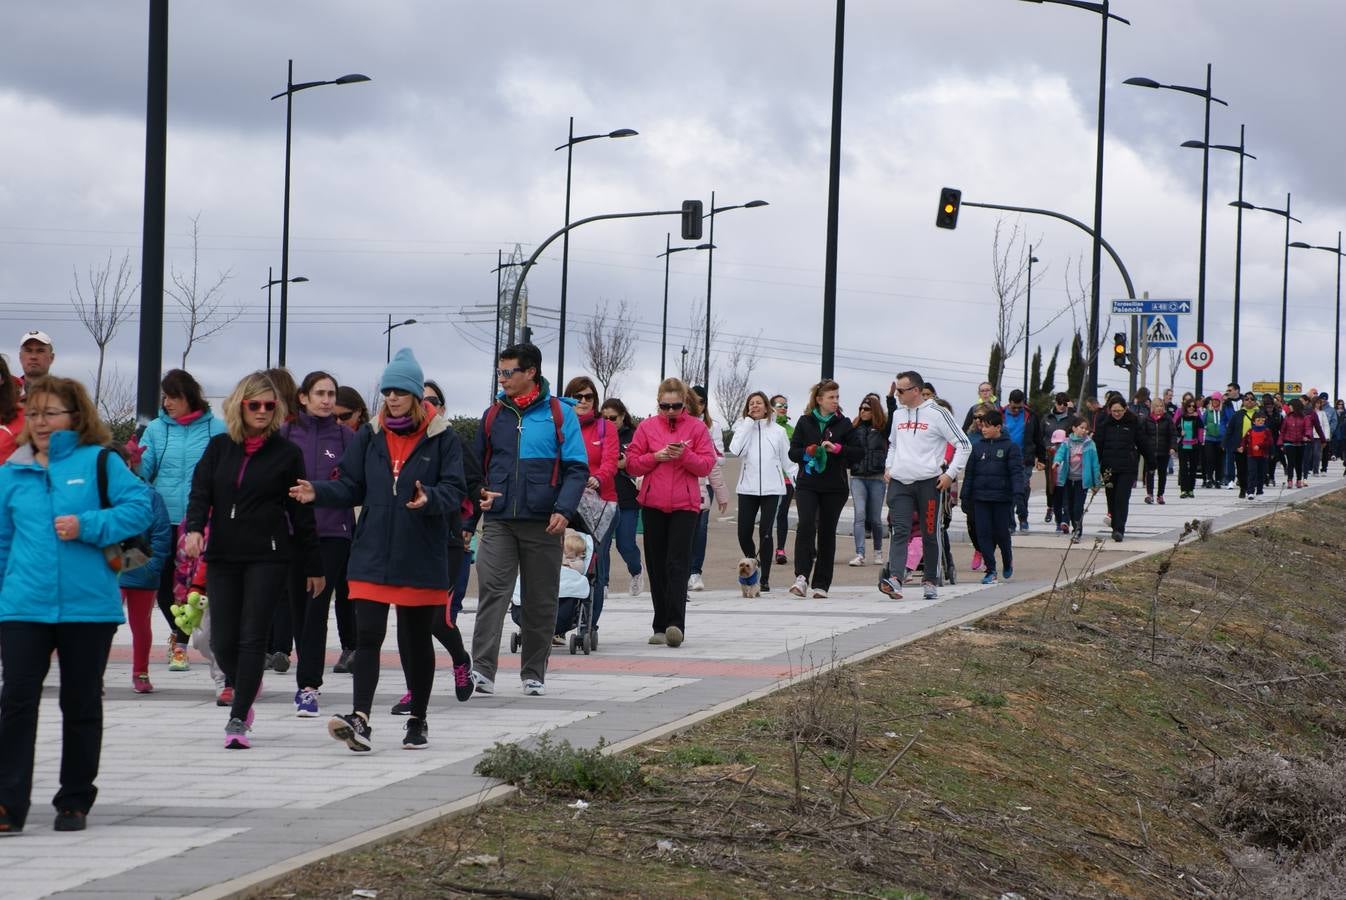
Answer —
(178, 814)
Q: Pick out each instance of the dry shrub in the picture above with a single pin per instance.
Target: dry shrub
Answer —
(1283, 803)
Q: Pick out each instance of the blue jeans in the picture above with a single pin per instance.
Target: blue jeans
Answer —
(626, 539)
(699, 537)
(1230, 466)
(604, 551)
(867, 496)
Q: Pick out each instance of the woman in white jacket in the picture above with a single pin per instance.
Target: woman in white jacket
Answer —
(763, 449)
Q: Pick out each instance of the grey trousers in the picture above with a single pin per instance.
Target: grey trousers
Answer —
(522, 549)
(903, 499)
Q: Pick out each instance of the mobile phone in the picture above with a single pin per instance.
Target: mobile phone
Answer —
(678, 444)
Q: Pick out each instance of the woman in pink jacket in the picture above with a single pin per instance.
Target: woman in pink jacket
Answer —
(602, 445)
(671, 450)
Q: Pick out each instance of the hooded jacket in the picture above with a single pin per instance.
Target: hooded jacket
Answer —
(874, 443)
(834, 479)
(763, 449)
(43, 578)
(9, 434)
(1029, 429)
(1160, 437)
(523, 456)
(323, 441)
(395, 545)
(917, 440)
(671, 485)
(1240, 423)
(1091, 475)
(994, 473)
(171, 454)
(160, 537)
(601, 446)
(1120, 444)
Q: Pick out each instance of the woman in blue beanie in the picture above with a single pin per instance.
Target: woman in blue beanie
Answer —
(406, 469)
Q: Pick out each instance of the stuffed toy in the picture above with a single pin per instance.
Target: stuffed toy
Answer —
(187, 616)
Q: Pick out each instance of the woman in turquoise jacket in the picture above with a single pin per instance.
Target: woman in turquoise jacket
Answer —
(172, 445)
(58, 592)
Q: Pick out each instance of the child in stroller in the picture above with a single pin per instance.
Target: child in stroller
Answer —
(915, 562)
(574, 604)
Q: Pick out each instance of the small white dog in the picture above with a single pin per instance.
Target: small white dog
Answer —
(749, 577)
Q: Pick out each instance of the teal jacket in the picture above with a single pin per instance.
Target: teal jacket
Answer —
(1092, 477)
(171, 454)
(43, 578)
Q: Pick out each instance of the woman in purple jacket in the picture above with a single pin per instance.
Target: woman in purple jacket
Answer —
(322, 440)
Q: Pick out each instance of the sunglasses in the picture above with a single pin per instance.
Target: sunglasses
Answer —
(667, 406)
(506, 373)
(434, 401)
(613, 418)
(345, 417)
(395, 392)
(590, 396)
(259, 405)
(865, 410)
(780, 406)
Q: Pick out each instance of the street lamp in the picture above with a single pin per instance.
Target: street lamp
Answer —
(1241, 150)
(270, 281)
(1028, 315)
(710, 264)
(1204, 94)
(569, 148)
(1285, 275)
(1102, 9)
(1336, 359)
(669, 250)
(290, 90)
(684, 358)
(389, 331)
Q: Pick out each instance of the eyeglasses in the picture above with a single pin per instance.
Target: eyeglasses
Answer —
(42, 415)
(506, 373)
(395, 392)
(345, 417)
(667, 406)
(434, 401)
(588, 396)
(259, 405)
(903, 390)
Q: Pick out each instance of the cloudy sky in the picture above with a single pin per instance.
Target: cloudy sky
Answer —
(405, 188)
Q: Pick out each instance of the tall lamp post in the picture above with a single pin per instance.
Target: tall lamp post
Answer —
(569, 148)
(710, 266)
(1285, 274)
(1103, 10)
(290, 90)
(270, 282)
(669, 250)
(1204, 94)
(1028, 315)
(1336, 344)
(1243, 153)
(389, 331)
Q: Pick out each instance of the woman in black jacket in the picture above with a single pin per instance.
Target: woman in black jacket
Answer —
(1161, 441)
(1120, 443)
(821, 448)
(240, 486)
(870, 434)
(628, 507)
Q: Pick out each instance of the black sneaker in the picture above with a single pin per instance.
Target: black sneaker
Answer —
(280, 662)
(352, 730)
(343, 663)
(417, 736)
(69, 820)
(402, 707)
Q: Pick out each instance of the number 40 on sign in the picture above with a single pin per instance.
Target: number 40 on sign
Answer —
(1199, 356)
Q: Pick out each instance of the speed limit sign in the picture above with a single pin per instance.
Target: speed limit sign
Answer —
(1199, 356)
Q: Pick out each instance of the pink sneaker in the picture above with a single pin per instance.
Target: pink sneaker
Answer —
(140, 683)
(976, 560)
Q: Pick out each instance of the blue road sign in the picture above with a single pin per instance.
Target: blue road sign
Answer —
(1151, 307)
(1161, 332)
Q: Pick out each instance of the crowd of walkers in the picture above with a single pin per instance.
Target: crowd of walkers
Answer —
(248, 527)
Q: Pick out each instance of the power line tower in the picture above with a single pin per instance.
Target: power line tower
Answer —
(512, 322)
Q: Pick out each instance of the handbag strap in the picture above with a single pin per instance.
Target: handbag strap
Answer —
(103, 454)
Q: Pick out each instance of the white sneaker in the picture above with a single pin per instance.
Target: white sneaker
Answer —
(858, 561)
(800, 587)
(481, 683)
(637, 584)
(819, 594)
(1107, 520)
(533, 688)
(694, 583)
(673, 636)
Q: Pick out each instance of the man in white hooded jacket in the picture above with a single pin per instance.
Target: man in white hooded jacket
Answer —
(916, 473)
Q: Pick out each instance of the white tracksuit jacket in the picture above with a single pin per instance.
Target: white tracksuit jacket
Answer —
(917, 442)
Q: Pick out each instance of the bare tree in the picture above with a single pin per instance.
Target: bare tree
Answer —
(1077, 299)
(117, 406)
(733, 378)
(1174, 364)
(107, 307)
(1009, 271)
(203, 312)
(693, 366)
(610, 342)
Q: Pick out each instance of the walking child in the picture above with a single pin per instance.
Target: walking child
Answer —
(1057, 496)
(1258, 445)
(1077, 472)
(993, 483)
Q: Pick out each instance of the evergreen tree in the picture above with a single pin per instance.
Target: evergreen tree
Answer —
(1075, 369)
(1034, 377)
(996, 367)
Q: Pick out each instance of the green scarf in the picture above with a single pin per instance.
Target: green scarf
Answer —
(817, 463)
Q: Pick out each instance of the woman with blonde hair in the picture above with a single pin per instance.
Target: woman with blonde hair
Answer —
(241, 490)
(823, 449)
(56, 468)
(764, 452)
(870, 434)
(671, 451)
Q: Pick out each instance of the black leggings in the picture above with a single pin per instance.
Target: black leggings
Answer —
(165, 596)
(1294, 462)
(242, 600)
(309, 614)
(783, 515)
(818, 517)
(415, 644)
(749, 506)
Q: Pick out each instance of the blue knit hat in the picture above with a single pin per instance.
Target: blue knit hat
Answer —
(404, 373)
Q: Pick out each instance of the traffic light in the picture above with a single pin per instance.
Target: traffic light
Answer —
(691, 220)
(950, 199)
(1119, 357)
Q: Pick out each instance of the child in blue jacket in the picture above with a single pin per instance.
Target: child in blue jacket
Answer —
(1078, 472)
(140, 586)
(992, 481)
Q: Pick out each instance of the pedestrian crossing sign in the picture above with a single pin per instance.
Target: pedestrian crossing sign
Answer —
(1161, 332)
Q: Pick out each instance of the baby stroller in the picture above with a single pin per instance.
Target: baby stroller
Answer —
(948, 573)
(574, 605)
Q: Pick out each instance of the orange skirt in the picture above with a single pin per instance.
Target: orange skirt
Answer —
(398, 595)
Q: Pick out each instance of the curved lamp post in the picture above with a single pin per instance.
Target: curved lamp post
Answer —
(1103, 11)
(710, 266)
(569, 148)
(270, 281)
(1285, 275)
(1205, 94)
(1336, 344)
(669, 250)
(1241, 150)
(290, 90)
(389, 331)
